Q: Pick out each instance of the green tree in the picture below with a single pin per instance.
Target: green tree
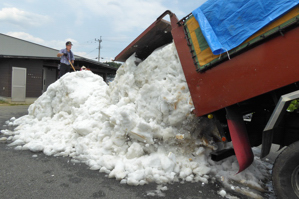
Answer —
(293, 106)
(114, 64)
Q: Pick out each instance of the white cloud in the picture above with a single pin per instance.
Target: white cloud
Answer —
(122, 15)
(86, 55)
(57, 44)
(22, 18)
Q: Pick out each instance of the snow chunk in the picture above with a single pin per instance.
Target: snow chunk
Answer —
(222, 193)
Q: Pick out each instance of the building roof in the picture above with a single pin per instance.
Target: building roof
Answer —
(18, 48)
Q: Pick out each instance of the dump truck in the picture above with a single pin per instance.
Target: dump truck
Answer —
(257, 77)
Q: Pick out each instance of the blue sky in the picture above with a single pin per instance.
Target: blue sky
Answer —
(52, 23)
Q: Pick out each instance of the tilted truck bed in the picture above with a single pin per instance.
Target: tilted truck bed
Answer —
(256, 69)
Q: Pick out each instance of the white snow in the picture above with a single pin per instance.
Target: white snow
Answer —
(222, 193)
(158, 191)
(137, 129)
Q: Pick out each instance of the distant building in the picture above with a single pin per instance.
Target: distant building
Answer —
(27, 69)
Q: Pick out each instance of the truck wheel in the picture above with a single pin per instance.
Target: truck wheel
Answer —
(285, 174)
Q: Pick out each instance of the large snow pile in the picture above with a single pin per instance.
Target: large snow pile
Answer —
(137, 129)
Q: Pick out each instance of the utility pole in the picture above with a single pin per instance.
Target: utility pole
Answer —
(100, 41)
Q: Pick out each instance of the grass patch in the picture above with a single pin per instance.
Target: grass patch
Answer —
(3, 102)
(18, 104)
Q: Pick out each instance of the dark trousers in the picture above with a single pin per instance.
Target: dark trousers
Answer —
(64, 69)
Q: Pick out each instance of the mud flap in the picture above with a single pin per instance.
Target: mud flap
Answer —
(239, 137)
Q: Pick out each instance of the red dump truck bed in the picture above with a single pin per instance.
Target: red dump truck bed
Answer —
(260, 68)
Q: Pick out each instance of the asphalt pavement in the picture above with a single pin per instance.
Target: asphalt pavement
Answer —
(24, 174)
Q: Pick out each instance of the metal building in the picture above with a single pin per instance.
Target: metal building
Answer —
(27, 69)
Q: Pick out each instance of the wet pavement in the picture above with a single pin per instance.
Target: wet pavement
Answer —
(9, 111)
(24, 174)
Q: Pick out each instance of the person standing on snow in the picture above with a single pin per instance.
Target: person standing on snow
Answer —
(66, 55)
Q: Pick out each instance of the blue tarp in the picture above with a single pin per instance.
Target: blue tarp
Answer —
(225, 24)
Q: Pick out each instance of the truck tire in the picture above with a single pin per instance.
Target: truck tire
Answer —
(285, 174)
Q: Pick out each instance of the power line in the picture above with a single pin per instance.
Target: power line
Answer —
(91, 51)
(90, 41)
(117, 41)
